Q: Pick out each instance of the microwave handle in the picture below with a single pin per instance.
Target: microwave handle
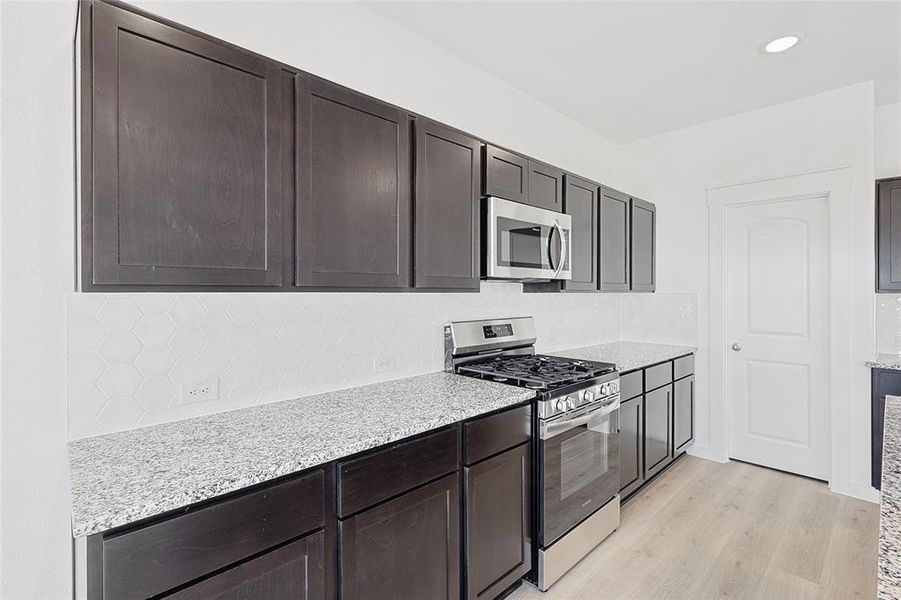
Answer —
(563, 251)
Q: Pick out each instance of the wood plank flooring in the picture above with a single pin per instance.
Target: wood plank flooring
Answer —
(711, 530)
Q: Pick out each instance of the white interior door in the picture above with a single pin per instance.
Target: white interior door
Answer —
(777, 325)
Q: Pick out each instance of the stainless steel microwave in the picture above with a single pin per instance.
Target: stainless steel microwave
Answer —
(525, 243)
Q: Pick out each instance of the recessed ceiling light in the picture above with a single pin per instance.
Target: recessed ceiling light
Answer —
(781, 44)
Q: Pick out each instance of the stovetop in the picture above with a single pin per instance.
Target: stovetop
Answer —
(536, 371)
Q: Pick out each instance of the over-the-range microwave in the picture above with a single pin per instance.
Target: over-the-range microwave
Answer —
(524, 243)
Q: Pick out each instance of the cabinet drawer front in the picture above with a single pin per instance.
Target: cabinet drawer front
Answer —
(159, 557)
(630, 385)
(374, 477)
(683, 367)
(295, 571)
(658, 376)
(490, 435)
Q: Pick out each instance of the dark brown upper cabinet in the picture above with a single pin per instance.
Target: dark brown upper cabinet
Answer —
(353, 189)
(506, 175)
(642, 253)
(545, 186)
(184, 150)
(614, 242)
(446, 208)
(888, 235)
(580, 201)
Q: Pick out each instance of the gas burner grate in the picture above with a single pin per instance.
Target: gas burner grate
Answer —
(537, 371)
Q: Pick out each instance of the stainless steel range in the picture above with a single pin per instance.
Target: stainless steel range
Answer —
(575, 428)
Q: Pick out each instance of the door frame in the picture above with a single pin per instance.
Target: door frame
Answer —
(835, 186)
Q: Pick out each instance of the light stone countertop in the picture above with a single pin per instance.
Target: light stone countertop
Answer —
(889, 572)
(628, 356)
(885, 361)
(124, 477)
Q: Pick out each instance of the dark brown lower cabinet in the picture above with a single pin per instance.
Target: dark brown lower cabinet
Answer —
(658, 427)
(683, 414)
(631, 445)
(293, 572)
(497, 518)
(885, 382)
(408, 547)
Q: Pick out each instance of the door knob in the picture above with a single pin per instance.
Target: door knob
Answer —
(736, 346)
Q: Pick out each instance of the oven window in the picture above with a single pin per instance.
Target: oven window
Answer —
(582, 458)
(521, 244)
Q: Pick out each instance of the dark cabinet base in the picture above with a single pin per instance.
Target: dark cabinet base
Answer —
(498, 518)
(408, 547)
(885, 383)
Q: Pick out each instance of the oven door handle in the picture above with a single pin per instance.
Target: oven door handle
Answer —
(554, 428)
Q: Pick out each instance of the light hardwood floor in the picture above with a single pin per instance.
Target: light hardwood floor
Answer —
(711, 530)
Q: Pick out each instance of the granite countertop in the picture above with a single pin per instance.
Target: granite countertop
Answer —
(889, 572)
(628, 355)
(123, 477)
(885, 361)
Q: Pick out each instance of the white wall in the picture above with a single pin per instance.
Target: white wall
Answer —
(829, 130)
(888, 140)
(35, 274)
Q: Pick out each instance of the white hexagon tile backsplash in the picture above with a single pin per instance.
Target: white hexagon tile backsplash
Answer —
(131, 355)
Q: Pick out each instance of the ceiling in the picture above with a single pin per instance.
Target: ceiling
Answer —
(629, 70)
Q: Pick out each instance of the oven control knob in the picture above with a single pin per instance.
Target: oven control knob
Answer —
(587, 395)
(571, 402)
(561, 404)
(605, 389)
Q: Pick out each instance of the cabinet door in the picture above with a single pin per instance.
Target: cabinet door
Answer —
(506, 175)
(498, 517)
(885, 382)
(888, 233)
(408, 547)
(293, 572)
(353, 189)
(448, 171)
(643, 246)
(545, 186)
(683, 413)
(631, 469)
(188, 155)
(580, 199)
(658, 427)
(613, 242)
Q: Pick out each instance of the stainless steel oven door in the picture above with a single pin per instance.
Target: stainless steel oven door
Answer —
(579, 457)
(526, 243)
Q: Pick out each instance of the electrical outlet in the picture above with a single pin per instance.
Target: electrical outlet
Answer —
(200, 392)
(383, 364)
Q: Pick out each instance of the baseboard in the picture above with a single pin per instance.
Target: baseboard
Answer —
(707, 453)
(862, 491)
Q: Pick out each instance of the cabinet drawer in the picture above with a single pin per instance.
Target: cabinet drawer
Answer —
(159, 557)
(683, 367)
(630, 385)
(382, 474)
(658, 376)
(296, 571)
(490, 435)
